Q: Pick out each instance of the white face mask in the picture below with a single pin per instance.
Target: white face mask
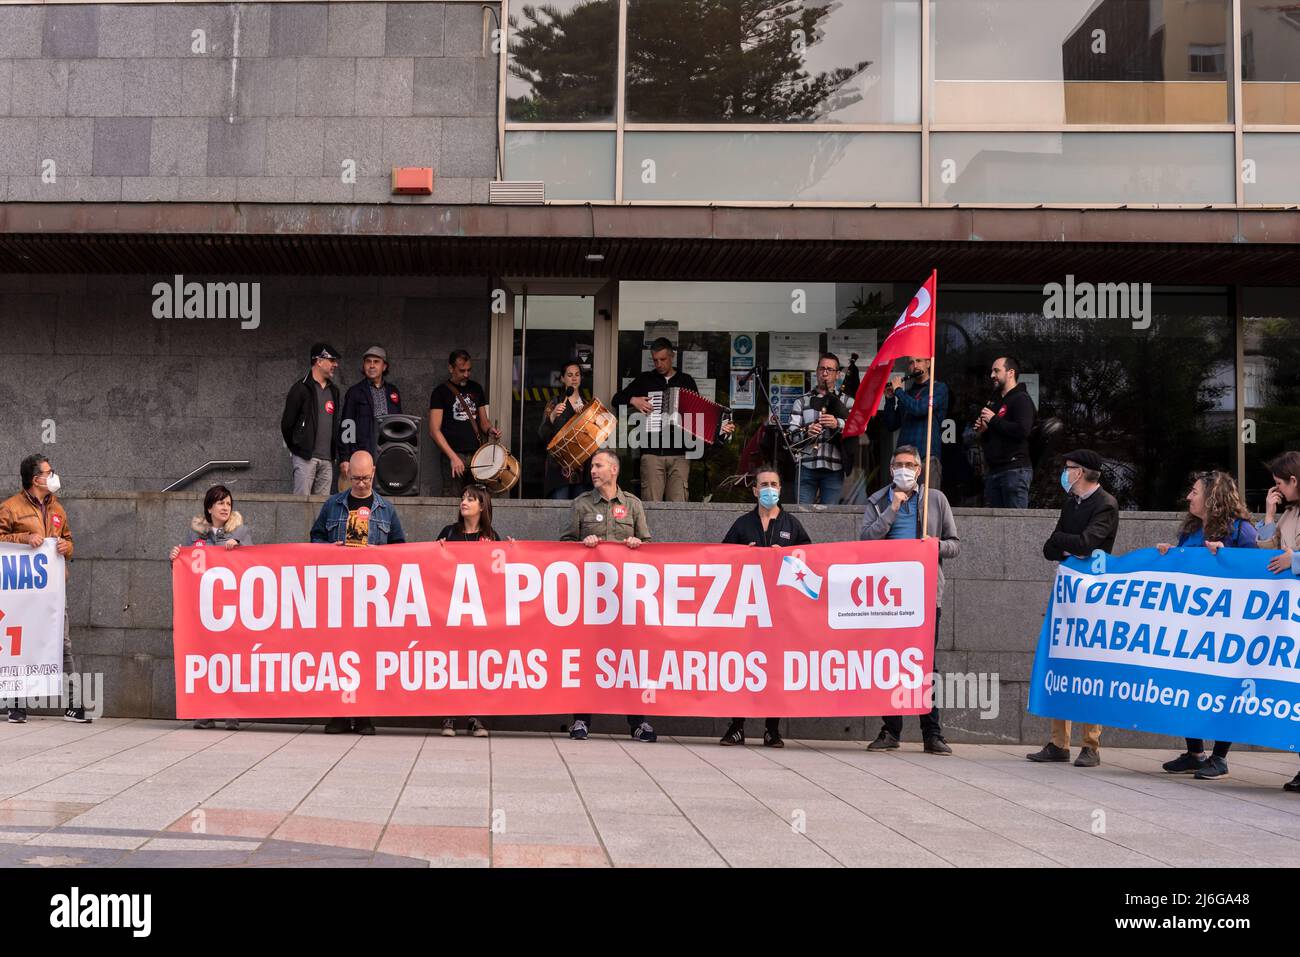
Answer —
(52, 483)
(904, 479)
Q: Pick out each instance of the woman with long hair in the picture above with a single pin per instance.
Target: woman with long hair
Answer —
(473, 524)
(1283, 531)
(556, 482)
(220, 526)
(1216, 516)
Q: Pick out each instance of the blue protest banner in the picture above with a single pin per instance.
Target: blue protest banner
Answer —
(1188, 644)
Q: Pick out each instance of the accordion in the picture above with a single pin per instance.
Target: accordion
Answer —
(688, 410)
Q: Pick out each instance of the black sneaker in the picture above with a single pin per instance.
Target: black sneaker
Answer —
(935, 744)
(78, 715)
(735, 734)
(17, 716)
(477, 728)
(1293, 785)
(773, 739)
(338, 726)
(643, 732)
(1049, 753)
(1088, 758)
(363, 726)
(205, 724)
(578, 731)
(885, 741)
(1215, 767)
(1185, 763)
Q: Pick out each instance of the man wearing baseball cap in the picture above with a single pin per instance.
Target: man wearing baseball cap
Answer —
(364, 403)
(1089, 522)
(310, 423)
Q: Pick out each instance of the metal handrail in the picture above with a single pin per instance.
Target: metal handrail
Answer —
(206, 467)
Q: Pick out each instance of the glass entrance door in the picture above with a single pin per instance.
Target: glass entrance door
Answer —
(551, 331)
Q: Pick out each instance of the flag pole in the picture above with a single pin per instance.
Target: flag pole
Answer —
(929, 418)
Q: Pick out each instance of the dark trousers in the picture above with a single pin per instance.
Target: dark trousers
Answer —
(454, 486)
(1008, 488)
(930, 726)
(1196, 746)
(771, 724)
(633, 720)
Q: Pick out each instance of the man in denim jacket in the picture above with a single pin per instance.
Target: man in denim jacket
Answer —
(358, 517)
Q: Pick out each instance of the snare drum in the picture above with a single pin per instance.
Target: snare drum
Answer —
(581, 437)
(493, 467)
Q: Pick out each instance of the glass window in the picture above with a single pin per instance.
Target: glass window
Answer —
(1270, 61)
(1271, 340)
(559, 332)
(1081, 61)
(840, 317)
(563, 61)
(1082, 168)
(729, 61)
(877, 167)
(1156, 402)
(573, 165)
(1275, 173)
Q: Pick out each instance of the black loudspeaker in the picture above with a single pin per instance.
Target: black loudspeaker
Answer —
(397, 467)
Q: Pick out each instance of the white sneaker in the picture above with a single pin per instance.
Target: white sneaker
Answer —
(449, 728)
(476, 728)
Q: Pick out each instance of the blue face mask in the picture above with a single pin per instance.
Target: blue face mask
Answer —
(768, 497)
(1065, 480)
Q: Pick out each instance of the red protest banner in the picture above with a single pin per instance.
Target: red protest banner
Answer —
(439, 628)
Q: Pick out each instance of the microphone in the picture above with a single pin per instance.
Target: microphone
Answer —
(569, 391)
(744, 380)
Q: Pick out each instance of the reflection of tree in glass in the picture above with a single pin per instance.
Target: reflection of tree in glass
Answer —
(1277, 422)
(565, 61)
(1143, 400)
(717, 61)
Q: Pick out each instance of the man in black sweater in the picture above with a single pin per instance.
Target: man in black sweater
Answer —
(1004, 426)
(1088, 523)
(665, 467)
(768, 525)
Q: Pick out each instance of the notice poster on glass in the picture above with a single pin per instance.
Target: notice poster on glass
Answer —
(785, 388)
(1030, 382)
(666, 328)
(708, 388)
(743, 348)
(743, 390)
(694, 364)
(845, 342)
(793, 350)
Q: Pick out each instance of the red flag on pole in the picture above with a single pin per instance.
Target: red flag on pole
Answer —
(912, 335)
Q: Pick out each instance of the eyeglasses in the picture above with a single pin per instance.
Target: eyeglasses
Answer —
(363, 479)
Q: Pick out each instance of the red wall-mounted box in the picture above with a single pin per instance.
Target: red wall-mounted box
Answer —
(413, 180)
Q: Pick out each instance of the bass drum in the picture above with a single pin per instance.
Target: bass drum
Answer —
(493, 467)
(581, 437)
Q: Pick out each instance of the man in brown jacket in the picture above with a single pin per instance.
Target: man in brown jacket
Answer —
(28, 518)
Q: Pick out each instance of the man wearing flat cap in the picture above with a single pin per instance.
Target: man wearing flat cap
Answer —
(310, 423)
(364, 403)
(1089, 522)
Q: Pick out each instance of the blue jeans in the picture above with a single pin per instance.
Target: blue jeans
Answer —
(830, 482)
(1008, 488)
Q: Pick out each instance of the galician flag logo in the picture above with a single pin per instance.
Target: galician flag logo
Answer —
(798, 575)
